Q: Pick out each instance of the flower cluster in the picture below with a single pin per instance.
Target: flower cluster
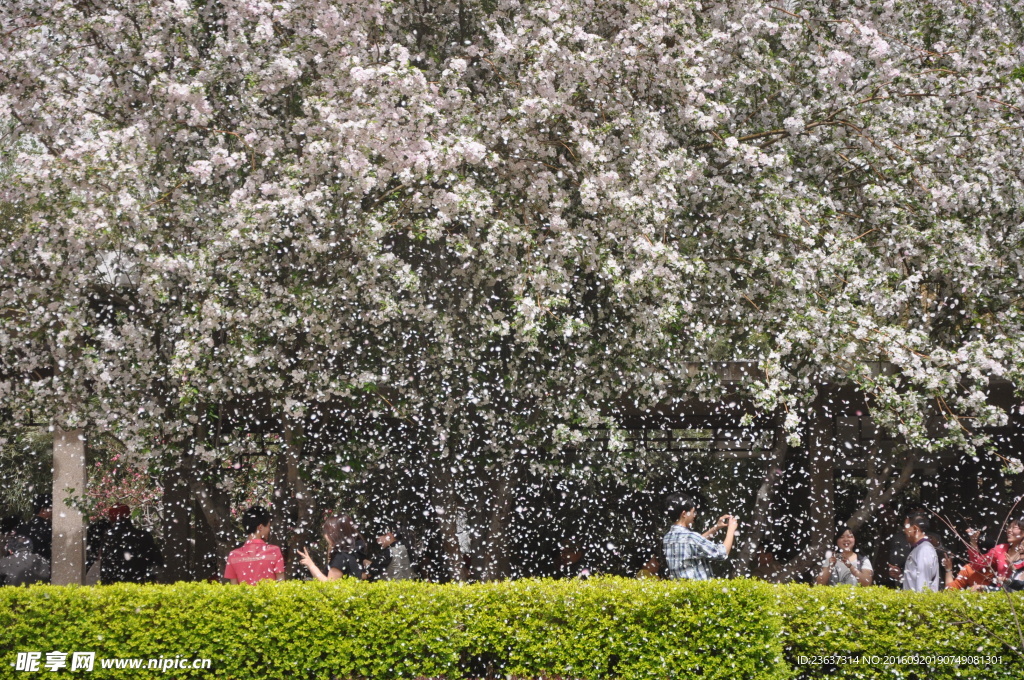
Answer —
(494, 219)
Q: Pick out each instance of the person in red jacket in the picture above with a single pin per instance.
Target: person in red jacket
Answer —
(257, 560)
(1002, 560)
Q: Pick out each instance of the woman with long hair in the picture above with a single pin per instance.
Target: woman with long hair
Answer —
(345, 550)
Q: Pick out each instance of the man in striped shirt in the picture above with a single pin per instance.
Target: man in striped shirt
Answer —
(688, 552)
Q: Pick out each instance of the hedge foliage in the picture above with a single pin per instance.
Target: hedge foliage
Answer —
(602, 628)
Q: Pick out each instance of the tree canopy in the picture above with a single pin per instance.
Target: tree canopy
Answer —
(489, 222)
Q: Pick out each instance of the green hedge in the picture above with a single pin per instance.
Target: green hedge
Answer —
(602, 628)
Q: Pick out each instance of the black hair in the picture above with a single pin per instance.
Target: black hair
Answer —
(9, 524)
(921, 521)
(344, 534)
(41, 502)
(678, 503)
(380, 528)
(254, 518)
(842, 529)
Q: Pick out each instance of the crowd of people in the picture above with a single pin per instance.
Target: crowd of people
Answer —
(917, 561)
(914, 561)
(348, 553)
(118, 551)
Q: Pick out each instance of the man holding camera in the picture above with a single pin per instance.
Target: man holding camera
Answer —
(687, 552)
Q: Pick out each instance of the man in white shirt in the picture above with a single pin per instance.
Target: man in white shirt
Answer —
(921, 571)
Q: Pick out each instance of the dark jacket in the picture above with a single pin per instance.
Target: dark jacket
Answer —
(350, 562)
(394, 563)
(40, 532)
(19, 565)
(129, 555)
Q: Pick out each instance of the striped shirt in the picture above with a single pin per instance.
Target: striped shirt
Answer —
(687, 554)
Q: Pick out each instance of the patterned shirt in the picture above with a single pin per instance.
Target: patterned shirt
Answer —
(687, 554)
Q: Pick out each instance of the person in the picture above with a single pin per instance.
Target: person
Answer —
(767, 568)
(394, 562)
(1000, 560)
(19, 565)
(651, 569)
(256, 560)
(346, 550)
(921, 571)
(1002, 567)
(899, 548)
(129, 554)
(843, 566)
(1015, 583)
(571, 563)
(968, 578)
(686, 552)
(39, 529)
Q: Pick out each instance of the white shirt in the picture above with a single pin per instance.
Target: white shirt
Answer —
(840, 574)
(922, 568)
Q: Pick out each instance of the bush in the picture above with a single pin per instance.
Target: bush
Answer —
(952, 634)
(602, 628)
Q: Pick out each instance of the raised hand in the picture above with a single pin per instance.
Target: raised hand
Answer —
(306, 559)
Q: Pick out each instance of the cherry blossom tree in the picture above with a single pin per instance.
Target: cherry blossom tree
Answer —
(485, 224)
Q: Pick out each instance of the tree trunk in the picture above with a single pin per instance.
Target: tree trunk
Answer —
(298, 510)
(821, 459)
(446, 509)
(215, 507)
(495, 548)
(882, 491)
(766, 492)
(208, 560)
(282, 504)
(176, 506)
(213, 502)
(67, 565)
